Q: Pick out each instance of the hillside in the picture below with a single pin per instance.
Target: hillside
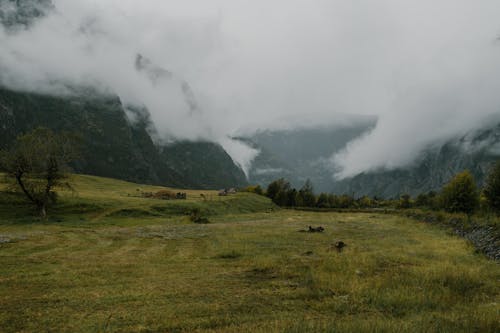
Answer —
(113, 146)
(103, 200)
(302, 154)
(110, 260)
(476, 151)
(117, 140)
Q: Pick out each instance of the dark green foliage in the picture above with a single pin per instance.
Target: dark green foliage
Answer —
(404, 201)
(427, 200)
(365, 202)
(37, 164)
(492, 188)
(322, 201)
(253, 189)
(306, 195)
(460, 195)
(345, 201)
(277, 191)
(258, 190)
(282, 194)
(197, 217)
(292, 198)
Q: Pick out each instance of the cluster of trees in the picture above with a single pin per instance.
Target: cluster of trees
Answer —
(460, 195)
(283, 194)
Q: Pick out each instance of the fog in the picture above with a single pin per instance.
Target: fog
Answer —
(429, 70)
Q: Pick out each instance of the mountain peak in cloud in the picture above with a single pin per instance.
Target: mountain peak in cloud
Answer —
(204, 70)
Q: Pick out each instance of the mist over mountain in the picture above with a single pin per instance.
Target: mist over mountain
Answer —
(113, 146)
(205, 72)
(302, 153)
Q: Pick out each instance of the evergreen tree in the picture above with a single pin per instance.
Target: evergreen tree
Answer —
(492, 188)
(306, 193)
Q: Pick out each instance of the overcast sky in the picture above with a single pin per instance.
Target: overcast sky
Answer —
(429, 70)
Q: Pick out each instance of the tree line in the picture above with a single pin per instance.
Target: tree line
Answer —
(460, 195)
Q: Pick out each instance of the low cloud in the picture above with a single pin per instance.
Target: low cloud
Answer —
(428, 70)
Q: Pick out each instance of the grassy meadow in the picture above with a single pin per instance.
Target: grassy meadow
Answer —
(109, 260)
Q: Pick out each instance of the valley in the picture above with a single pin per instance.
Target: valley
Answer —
(109, 260)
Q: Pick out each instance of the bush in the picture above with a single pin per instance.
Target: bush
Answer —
(196, 217)
(306, 195)
(404, 201)
(164, 195)
(460, 195)
(254, 189)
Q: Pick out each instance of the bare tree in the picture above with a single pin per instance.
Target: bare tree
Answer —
(37, 164)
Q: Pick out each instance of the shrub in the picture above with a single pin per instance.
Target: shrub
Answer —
(460, 195)
(196, 217)
(253, 189)
(165, 195)
(404, 201)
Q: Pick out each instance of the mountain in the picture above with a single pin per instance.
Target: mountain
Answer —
(301, 154)
(22, 13)
(113, 146)
(117, 140)
(120, 141)
(476, 151)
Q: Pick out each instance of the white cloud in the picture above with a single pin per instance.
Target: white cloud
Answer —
(427, 69)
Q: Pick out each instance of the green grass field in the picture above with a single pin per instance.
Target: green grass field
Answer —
(108, 260)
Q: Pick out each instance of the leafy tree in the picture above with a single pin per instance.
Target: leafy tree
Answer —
(306, 194)
(422, 200)
(345, 201)
(427, 200)
(37, 165)
(492, 188)
(254, 189)
(365, 202)
(333, 201)
(277, 191)
(323, 201)
(292, 198)
(460, 194)
(258, 190)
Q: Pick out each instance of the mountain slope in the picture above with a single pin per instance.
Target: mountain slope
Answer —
(476, 152)
(112, 146)
(302, 153)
